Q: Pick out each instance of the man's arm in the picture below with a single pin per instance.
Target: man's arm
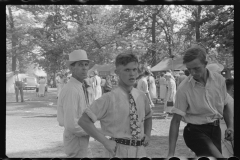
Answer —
(148, 126)
(86, 123)
(228, 118)
(147, 130)
(173, 133)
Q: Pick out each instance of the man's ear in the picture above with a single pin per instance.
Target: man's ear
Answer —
(206, 62)
(116, 71)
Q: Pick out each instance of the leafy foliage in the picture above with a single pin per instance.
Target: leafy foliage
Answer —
(45, 35)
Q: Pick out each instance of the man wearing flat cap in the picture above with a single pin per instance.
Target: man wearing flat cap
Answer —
(72, 101)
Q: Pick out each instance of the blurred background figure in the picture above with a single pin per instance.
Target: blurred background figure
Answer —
(163, 87)
(97, 85)
(143, 86)
(90, 91)
(103, 82)
(171, 73)
(181, 77)
(152, 87)
(41, 88)
(51, 83)
(176, 77)
(18, 86)
(108, 85)
(60, 83)
(171, 93)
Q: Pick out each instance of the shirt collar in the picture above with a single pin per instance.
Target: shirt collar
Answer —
(210, 77)
(124, 90)
(72, 79)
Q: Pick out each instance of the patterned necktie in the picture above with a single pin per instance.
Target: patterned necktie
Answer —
(134, 123)
(85, 92)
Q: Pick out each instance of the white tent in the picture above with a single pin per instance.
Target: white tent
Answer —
(40, 73)
(169, 64)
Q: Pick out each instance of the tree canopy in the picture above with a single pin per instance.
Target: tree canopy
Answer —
(44, 35)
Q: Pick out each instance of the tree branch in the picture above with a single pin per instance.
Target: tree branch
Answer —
(68, 20)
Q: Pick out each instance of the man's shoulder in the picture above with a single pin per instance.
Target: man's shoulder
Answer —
(217, 76)
(138, 92)
(185, 84)
(70, 87)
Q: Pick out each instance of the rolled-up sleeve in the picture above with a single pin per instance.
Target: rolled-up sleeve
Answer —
(181, 103)
(98, 109)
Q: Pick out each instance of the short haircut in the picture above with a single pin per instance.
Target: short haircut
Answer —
(125, 58)
(194, 53)
(186, 72)
(229, 83)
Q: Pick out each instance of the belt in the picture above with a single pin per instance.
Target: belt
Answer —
(129, 142)
(215, 123)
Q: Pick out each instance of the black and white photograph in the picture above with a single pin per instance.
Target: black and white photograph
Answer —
(125, 81)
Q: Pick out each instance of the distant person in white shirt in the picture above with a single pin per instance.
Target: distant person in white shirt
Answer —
(97, 85)
(60, 83)
(72, 102)
(152, 87)
(142, 85)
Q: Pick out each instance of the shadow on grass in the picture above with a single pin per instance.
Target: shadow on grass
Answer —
(158, 148)
(57, 151)
(31, 102)
(42, 116)
(51, 152)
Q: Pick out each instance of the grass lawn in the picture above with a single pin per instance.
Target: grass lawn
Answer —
(32, 130)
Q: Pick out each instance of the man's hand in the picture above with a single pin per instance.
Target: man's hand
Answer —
(151, 105)
(229, 134)
(146, 140)
(111, 146)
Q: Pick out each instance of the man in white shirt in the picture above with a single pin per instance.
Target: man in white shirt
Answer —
(18, 85)
(71, 104)
(142, 85)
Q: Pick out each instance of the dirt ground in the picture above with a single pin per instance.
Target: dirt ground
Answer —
(32, 130)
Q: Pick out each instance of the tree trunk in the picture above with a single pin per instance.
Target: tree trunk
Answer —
(13, 40)
(197, 25)
(54, 79)
(154, 16)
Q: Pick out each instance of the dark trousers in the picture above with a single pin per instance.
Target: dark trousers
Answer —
(17, 93)
(203, 140)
